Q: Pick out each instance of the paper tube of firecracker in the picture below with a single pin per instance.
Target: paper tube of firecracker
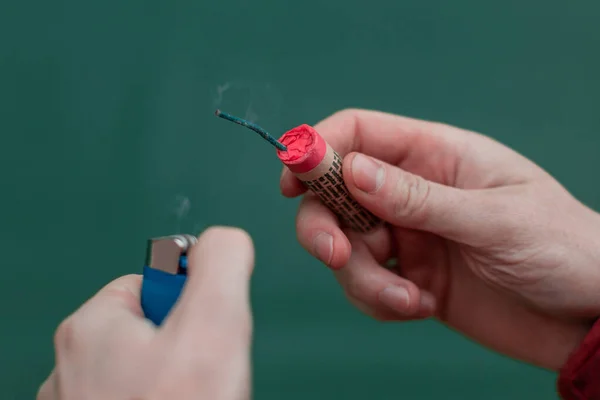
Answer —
(312, 160)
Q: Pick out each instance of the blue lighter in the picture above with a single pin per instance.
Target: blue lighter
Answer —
(165, 273)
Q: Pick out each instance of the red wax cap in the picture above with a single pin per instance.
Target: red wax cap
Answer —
(305, 149)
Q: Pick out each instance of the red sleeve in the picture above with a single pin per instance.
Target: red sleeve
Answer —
(579, 379)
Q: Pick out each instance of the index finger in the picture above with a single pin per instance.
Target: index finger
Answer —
(121, 297)
(387, 137)
(114, 312)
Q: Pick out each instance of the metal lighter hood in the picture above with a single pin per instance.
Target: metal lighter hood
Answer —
(163, 253)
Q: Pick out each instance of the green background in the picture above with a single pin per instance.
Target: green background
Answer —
(109, 137)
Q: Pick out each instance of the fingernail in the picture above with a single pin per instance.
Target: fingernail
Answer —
(395, 297)
(368, 175)
(323, 247)
(427, 302)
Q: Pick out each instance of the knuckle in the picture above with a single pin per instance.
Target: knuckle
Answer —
(303, 213)
(355, 288)
(367, 310)
(309, 220)
(44, 392)
(410, 196)
(347, 113)
(124, 295)
(303, 233)
(350, 121)
(303, 238)
(49, 389)
(65, 335)
(74, 332)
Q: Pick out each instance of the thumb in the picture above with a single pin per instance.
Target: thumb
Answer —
(407, 200)
(216, 295)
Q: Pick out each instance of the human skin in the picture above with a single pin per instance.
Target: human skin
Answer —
(107, 350)
(484, 240)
